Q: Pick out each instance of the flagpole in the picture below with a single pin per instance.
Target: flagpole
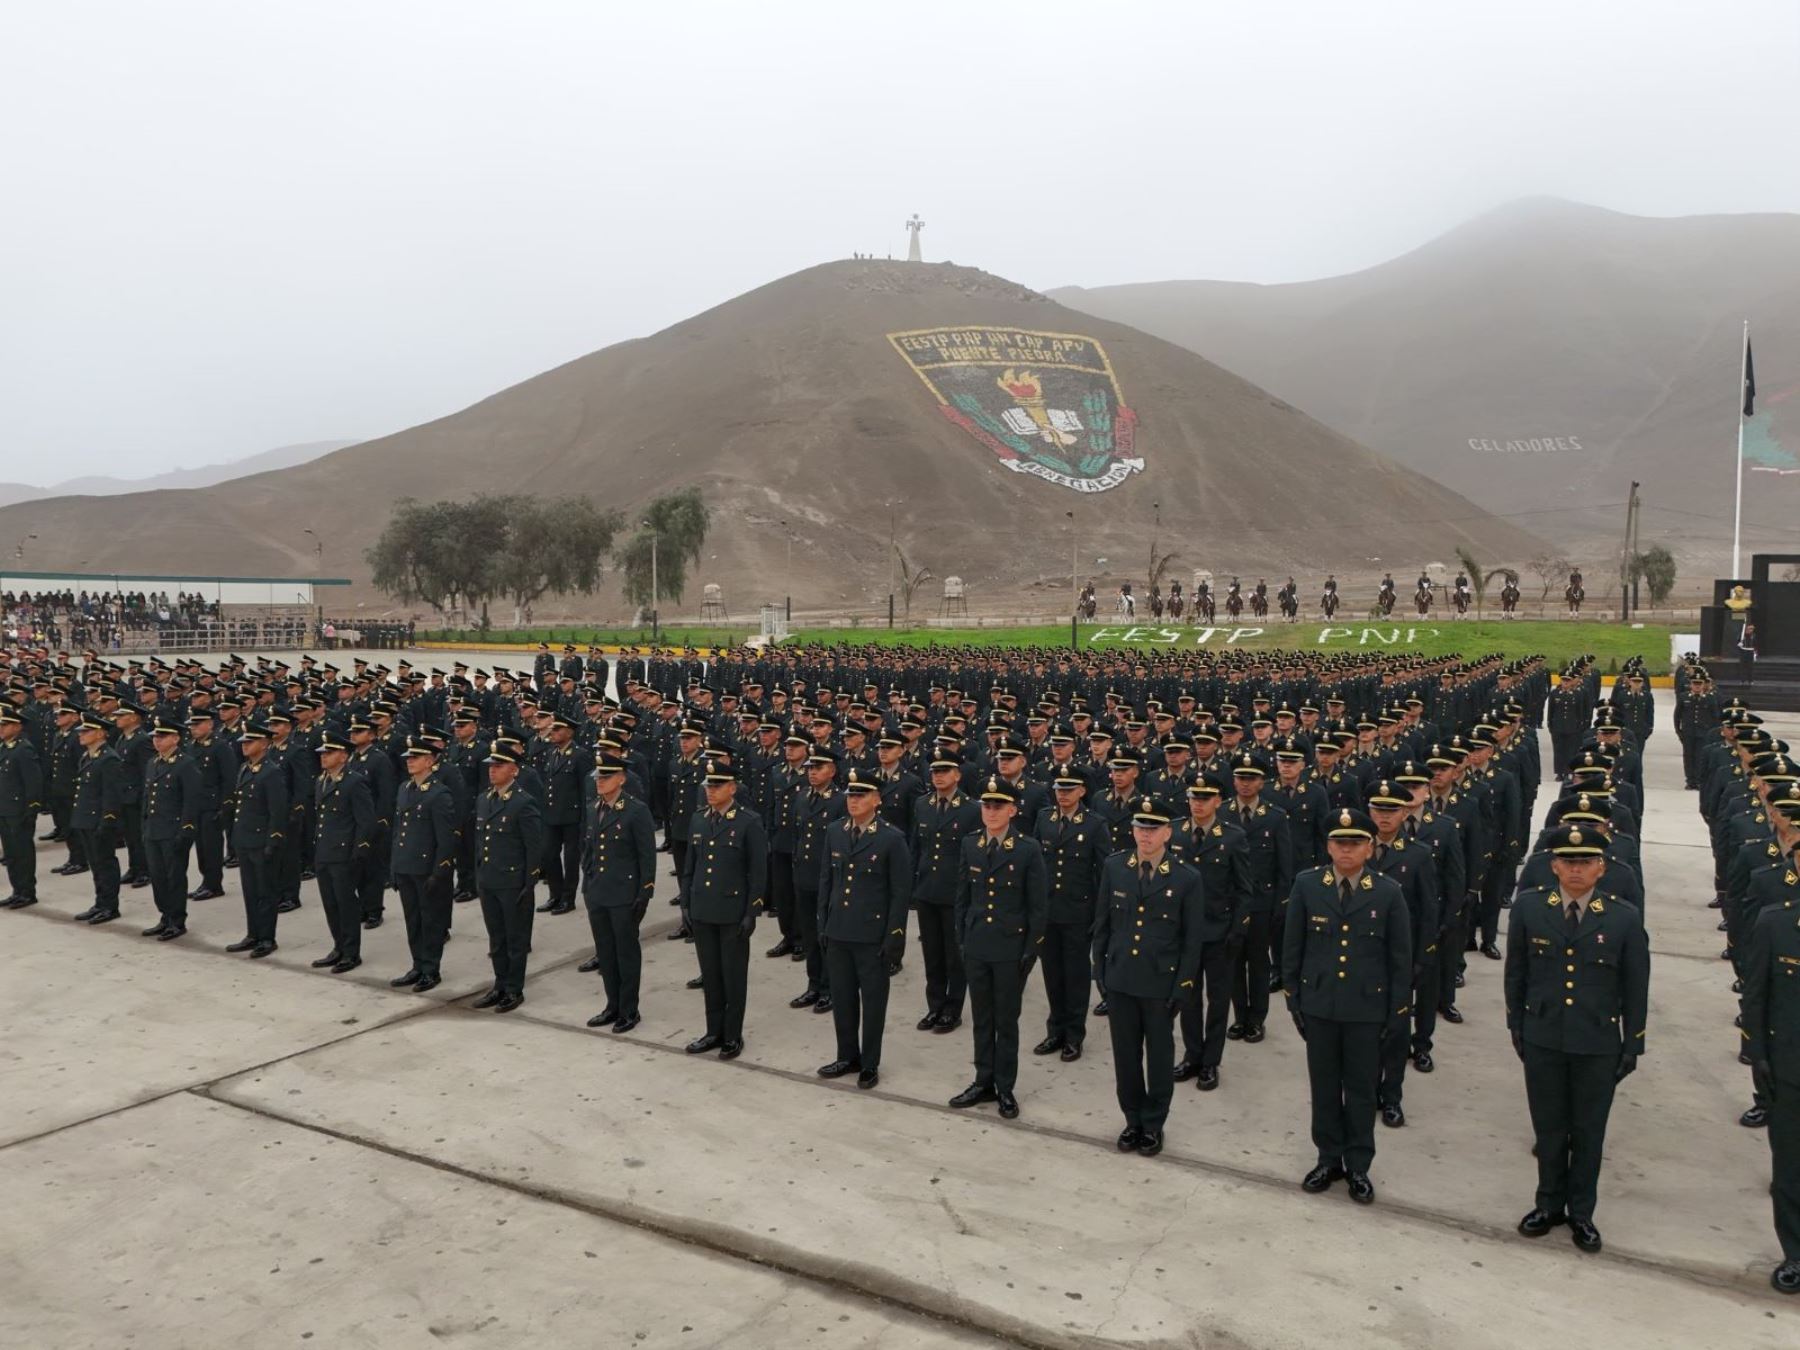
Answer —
(1737, 517)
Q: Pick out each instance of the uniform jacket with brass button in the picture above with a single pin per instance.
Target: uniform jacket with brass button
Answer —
(939, 827)
(21, 779)
(1771, 999)
(424, 828)
(562, 786)
(171, 798)
(1408, 864)
(727, 865)
(1347, 960)
(618, 854)
(1583, 989)
(866, 883)
(262, 806)
(99, 791)
(813, 813)
(343, 818)
(1218, 853)
(1149, 932)
(1002, 901)
(1075, 849)
(1271, 848)
(509, 839)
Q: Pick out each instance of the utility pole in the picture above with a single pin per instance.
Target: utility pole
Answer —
(1626, 555)
(1074, 569)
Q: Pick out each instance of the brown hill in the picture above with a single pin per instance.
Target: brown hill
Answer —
(1539, 356)
(802, 418)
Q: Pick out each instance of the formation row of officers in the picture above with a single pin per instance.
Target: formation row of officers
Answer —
(1186, 871)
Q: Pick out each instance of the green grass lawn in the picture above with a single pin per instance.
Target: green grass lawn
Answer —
(1610, 643)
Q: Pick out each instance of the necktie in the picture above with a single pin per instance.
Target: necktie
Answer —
(1147, 871)
(1381, 852)
(1573, 909)
(1345, 892)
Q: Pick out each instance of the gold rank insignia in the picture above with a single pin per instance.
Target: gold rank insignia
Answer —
(1596, 907)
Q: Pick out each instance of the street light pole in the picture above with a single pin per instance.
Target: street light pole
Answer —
(654, 610)
(1074, 569)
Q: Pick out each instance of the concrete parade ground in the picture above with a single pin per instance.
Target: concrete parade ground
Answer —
(201, 1150)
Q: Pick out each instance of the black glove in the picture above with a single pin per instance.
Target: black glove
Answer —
(687, 919)
(747, 925)
(1299, 1021)
(271, 852)
(641, 908)
(1518, 1040)
(893, 947)
(1026, 962)
(1627, 1067)
(824, 941)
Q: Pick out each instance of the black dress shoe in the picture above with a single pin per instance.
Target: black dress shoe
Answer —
(1129, 1138)
(1070, 1053)
(1423, 1062)
(1755, 1118)
(509, 1001)
(1150, 1144)
(927, 1023)
(287, 906)
(494, 995)
(1722, 926)
(1362, 1190)
(1235, 1032)
(1541, 1221)
(698, 982)
(1449, 1013)
(401, 981)
(460, 898)
(231, 863)
(1717, 902)
(563, 907)
(1785, 1279)
(1737, 986)
(823, 1005)
(1274, 983)
(208, 893)
(1101, 1010)
(838, 1068)
(1392, 1116)
(1461, 979)
(973, 1095)
(426, 983)
(149, 932)
(75, 869)
(546, 907)
(1185, 1070)
(102, 916)
(796, 955)
(783, 948)
(1490, 951)
(307, 874)
(1584, 1235)
(730, 1049)
(170, 933)
(1208, 1078)
(22, 902)
(263, 949)
(331, 958)
(868, 1078)
(947, 1023)
(1254, 1034)
(1321, 1177)
(1048, 1046)
(241, 945)
(805, 1000)
(1009, 1105)
(137, 883)
(589, 966)
(347, 965)
(372, 923)
(701, 1044)
(626, 1023)
(86, 914)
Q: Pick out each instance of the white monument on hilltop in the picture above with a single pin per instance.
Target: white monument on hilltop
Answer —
(913, 227)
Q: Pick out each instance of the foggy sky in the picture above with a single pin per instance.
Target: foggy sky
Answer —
(228, 227)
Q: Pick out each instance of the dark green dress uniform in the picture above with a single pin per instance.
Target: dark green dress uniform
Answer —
(257, 830)
(1577, 995)
(1002, 905)
(1347, 969)
(65, 754)
(618, 878)
(423, 858)
(373, 872)
(171, 815)
(98, 816)
(1075, 848)
(726, 888)
(562, 809)
(940, 824)
(343, 830)
(1149, 934)
(510, 846)
(1270, 853)
(864, 890)
(814, 812)
(136, 752)
(217, 763)
(1771, 1023)
(21, 799)
(1219, 854)
(1410, 866)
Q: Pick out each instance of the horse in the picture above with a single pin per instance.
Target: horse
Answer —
(1384, 601)
(1156, 602)
(1422, 600)
(1509, 599)
(1573, 595)
(1290, 602)
(1204, 606)
(1461, 597)
(1175, 601)
(1328, 604)
(1087, 605)
(1259, 603)
(1234, 603)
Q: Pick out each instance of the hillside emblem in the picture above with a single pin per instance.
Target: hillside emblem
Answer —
(1046, 404)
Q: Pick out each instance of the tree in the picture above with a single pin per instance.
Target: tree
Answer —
(1550, 568)
(910, 581)
(554, 547)
(677, 526)
(1655, 566)
(443, 553)
(1472, 569)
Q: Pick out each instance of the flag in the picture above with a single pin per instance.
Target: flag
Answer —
(1749, 379)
